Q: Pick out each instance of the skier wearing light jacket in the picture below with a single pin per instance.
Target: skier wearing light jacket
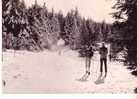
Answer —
(88, 54)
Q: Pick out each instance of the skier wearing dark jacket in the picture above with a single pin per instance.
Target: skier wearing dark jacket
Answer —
(103, 58)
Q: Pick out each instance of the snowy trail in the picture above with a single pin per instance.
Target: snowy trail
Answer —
(49, 72)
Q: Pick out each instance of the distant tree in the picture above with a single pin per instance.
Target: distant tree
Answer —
(92, 31)
(36, 28)
(53, 30)
(61, 20)
(72, 29)
(85, 33)
(35, 24)
(44, 26)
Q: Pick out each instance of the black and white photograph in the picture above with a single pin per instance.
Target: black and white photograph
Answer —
(69, 46)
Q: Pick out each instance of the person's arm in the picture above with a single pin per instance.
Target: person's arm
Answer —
(100, 51)
(106, 51)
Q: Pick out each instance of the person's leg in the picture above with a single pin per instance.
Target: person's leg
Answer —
(101, 64)
(60, 49)
(110, 57)
(105, 63)
(86, 64)
(98, 81)
(89, 62)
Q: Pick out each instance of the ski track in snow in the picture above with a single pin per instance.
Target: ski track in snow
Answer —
(49, 72)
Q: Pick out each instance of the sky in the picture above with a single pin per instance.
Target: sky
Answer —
(98, 10)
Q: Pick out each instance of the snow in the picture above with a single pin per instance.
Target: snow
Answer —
(49, 72)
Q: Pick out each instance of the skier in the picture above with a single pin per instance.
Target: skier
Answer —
(60, 44)
(103, 58)
(103, 51)
(88, 55)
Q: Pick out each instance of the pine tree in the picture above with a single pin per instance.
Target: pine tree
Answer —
(85, 33)
(92, 31)
(72, 29)
(53, 30)
(126, 28)
(61, 20)
(34, 20)
(13, 21)
(5, 13)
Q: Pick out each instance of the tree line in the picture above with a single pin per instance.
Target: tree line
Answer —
(37, 28)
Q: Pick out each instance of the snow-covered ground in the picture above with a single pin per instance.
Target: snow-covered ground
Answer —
(49, 72)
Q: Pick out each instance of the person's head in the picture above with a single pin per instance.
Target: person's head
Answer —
(103, 44)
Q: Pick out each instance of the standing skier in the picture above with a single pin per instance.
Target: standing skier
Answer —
(60, 44)
(103, 58)
(88, 54)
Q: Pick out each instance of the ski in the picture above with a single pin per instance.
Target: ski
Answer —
(85, 77)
